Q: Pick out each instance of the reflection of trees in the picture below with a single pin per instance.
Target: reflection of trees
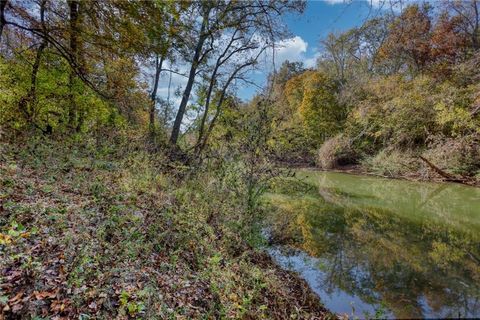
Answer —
(380, 256)
(445, 204)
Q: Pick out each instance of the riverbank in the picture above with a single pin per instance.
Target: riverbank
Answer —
(104, 233)
(425, 176)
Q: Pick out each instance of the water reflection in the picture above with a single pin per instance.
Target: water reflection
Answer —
(392, 248)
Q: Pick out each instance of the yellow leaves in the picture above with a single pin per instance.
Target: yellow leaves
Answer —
(15, 232)
(302, 90)
(59, 306)
(12, 235)
(5, 239)
(444, 254)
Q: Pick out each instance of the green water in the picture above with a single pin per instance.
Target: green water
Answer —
(373, 247)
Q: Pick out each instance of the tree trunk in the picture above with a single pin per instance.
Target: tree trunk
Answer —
(27, 104)
(439, 171)
(72, 111)
(476, 30)
(212, 82)
(3, 4)
(203, 143)
(191, 78)
(207, 107)
(153, 94)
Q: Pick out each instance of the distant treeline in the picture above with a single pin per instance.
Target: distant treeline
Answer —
(382, 94)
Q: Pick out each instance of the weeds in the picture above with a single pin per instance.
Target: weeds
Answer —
(102, 236)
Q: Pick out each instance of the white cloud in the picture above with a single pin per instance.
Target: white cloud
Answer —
(177, 81)
(335, 1)
(373, 3)
(292, 49)
(312, 62)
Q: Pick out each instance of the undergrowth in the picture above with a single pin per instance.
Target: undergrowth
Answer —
(90, 231)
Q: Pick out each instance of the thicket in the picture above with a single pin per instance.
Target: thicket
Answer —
(398, 87)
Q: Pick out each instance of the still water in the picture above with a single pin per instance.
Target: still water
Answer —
(378, 248)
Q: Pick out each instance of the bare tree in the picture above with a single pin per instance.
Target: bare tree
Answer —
(239, 19)
(153, 94)
(234, 75)
(197, 57)
(237, 44)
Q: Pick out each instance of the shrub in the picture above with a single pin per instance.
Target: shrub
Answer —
(457, 155)
(391, 163)
(334, 152)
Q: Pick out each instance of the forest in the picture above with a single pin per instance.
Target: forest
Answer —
(393, 90)
(125, 196)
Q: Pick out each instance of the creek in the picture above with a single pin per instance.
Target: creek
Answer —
(380, 248)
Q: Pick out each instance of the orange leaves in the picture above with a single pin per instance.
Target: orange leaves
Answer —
(59, 306)
(46, 294)
(409, 38)
(16, 298)
(421, 42)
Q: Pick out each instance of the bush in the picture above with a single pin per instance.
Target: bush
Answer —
(391, 163)
(334, 152)
(459, 155)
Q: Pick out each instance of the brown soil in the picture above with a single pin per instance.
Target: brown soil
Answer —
(294, 289)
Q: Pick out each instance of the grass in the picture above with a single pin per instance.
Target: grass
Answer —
(87, 233)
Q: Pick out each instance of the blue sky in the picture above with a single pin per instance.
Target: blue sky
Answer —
(318, 20)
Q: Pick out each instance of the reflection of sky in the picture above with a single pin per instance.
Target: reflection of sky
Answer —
(342, 302)
(334, 299)
(386, 246)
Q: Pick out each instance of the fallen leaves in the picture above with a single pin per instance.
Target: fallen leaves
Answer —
(46, 294)
(5, 239)
(57, 263)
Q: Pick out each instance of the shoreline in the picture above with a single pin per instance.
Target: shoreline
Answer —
(297, 287)
(359, 170)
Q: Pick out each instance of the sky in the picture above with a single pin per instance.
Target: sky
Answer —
(307, 30)
(317, 21)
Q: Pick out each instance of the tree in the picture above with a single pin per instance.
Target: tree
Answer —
(27, 104)
(343, 51)
(372, 35)
(408, 41)
(81, 33)
(468, 12)
(250, 19)
(312, 94)
(74, 17)
(199, 54)
(448, 44)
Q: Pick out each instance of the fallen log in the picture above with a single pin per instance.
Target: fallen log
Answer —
(444, 174)
(448, 177)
